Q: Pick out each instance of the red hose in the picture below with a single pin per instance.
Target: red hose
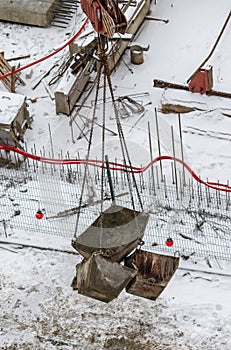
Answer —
(48, 56)
(117, 166)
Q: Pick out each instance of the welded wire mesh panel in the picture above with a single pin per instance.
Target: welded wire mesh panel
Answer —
(197, 222)
(196, 218)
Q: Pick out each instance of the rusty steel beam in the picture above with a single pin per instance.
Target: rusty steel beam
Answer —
(219, 93)
(164, 84)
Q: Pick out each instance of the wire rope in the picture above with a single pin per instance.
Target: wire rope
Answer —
(88, 151)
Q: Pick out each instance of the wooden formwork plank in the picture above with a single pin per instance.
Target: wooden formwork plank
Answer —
(5, 67)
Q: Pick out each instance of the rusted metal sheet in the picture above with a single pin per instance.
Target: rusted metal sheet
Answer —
(116, 232)
(154, 271)
(101, 279)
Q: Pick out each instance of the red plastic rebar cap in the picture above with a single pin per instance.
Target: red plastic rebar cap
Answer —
(39, 215)
(169, 242)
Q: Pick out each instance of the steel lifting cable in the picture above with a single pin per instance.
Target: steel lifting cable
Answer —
(123, 148)
(102, 59)
(123, 144)
(103, 42)
(88, 152)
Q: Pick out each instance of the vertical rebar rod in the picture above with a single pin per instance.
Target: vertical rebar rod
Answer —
(158, 143)
(165, 187)
(217, 198)
(180, 185)
(149, 183)
(208, 191)
(219, 194)
(110, 179)
(33, 160)
(174, 162)
(157, 178)
(44, 155)
(227, 195)
(201, 194)
(172, 172)
(116, 173)
(181, 147)
(192, 189)
(189, 191)
(51, 144)
(35, 152)
(207, 196)
(198, 195)
(42, 162)
(143, 182)
(27, 159)
(151, 158)
(51, 141)
(140, 180)
(51, 165)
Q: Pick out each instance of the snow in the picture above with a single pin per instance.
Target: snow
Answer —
(38, 309)
(198, 102)
(10, 106)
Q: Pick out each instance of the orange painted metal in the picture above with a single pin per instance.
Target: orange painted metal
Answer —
(202, 81)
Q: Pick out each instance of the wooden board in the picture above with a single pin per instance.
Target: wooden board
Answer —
(5, 68)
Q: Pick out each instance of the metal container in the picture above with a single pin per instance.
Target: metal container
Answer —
(101, 279)
(115, 233)
(154, 271)
(136, 53)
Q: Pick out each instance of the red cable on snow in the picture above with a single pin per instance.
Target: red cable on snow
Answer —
(116, 166)
(48, 56)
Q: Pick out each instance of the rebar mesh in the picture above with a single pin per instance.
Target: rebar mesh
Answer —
(196, 218)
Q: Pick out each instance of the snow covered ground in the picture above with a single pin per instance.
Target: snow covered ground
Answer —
(38, 309)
